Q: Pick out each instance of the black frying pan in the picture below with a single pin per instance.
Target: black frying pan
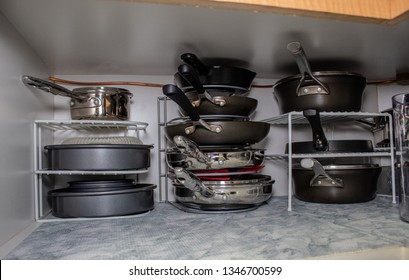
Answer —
(213, 103)
(320, 144)
(215, 132)
(217, 75)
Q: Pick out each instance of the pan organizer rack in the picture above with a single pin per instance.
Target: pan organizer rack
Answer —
(289, 120)
(65, 128)
(297, 118)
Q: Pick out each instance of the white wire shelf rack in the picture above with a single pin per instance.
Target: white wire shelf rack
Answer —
(60, 127)
(297, 118)
(326, 117)
(90, 125)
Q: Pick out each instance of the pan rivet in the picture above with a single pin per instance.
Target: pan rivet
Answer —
(72, 103)
(305, 90)
(221, 162)
(319, 182)
(218, 129)
(319, 89)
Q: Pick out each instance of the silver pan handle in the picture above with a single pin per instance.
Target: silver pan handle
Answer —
(193, 183)
(321, 178)
(297, 51)
(51, 87)
(191, 149)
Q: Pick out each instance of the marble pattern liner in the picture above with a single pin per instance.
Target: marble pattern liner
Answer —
(269, 232)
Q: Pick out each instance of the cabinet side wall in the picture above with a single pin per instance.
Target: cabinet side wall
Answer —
(20, 106)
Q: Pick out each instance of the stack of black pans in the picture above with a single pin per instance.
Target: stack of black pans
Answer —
(213, 165)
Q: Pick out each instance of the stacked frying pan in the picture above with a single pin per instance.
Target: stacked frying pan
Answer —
(213, 165)
(330, 180)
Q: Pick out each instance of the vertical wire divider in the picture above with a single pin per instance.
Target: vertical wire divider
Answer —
(165, 120)
(162, 168)
(159, 149)
(392, 155)
(35, 175)
(290, 160)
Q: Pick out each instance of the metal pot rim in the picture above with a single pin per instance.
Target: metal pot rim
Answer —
(102, 90)
(343, 167)
(65, 192)
(257, 179)
(97, 146)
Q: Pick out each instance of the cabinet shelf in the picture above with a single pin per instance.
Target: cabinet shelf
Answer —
(326, 117)
(376, 153)
(89, 172)
(90, 125)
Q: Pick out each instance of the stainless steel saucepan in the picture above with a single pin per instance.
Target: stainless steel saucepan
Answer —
(89, 103)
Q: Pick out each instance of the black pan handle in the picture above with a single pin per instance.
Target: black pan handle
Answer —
(318, 136)
(192, 77)
(195, 62)
(176, 94)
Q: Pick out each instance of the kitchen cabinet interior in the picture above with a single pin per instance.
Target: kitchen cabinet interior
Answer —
(127, 40)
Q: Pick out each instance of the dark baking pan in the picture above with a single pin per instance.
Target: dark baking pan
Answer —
(69, 203)
(98, 157)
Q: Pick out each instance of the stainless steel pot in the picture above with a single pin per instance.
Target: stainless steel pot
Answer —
(88, 103)
(350, 183)
(189, 156)
(238, 193)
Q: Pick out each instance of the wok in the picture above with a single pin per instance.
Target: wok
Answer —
(214, 132)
